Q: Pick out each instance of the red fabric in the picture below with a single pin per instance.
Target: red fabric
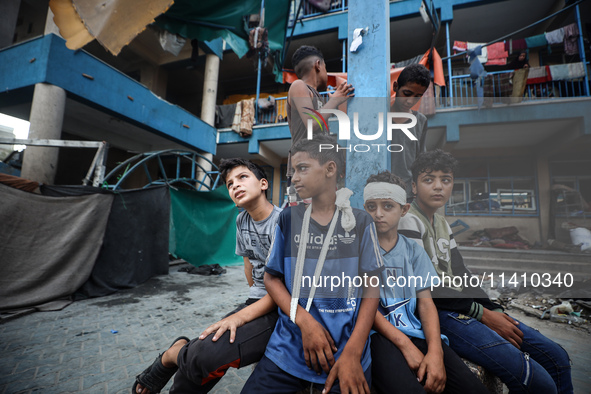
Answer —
(335, 78)
(218, 373)
(460, 46)
(519, 44)
(497, 55)
(541, 79)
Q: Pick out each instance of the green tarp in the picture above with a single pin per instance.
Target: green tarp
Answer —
(203, 227)
(206, 20)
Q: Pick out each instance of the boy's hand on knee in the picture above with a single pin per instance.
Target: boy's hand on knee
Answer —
(432, 366)
(231, 323)
(413, 356)
(503, 325)
(348, 371)
(318, 346)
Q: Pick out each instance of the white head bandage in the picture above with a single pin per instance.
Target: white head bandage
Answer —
(382, 190)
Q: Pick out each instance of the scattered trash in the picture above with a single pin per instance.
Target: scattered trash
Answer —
(114, 331)
(563, 309)
(549, 304)
(568, 319)
(581, 236)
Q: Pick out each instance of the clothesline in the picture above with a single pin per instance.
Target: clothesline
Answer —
(517, 31)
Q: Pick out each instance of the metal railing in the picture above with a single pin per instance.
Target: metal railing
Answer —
(464, 90)
(278, 113)
(309, 11)
(465, 94)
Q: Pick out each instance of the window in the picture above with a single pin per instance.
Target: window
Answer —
(571, 187)
(500, 187)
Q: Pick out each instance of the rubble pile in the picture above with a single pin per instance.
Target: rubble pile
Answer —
(502, 238)
(572, 306)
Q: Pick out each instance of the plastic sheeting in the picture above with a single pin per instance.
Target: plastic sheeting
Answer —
(207, 20)
(135, 246)
(48, 246)
(113, 23)
(203, 227)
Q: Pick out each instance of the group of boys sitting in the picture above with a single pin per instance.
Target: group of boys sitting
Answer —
(383, 334)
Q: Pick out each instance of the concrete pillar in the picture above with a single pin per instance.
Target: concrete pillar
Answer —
(47, 117)
(9, 12)
(544, 196)
(369, 72)
(210, 89)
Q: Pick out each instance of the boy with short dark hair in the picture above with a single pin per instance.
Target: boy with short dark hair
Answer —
(412, 83)
(407, 352)
(321, 336)
(244, 333)
(303, 97)
(477, 328)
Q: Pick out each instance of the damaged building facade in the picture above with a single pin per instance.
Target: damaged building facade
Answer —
(524, 156)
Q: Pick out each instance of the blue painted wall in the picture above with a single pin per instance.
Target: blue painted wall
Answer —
(47, 60)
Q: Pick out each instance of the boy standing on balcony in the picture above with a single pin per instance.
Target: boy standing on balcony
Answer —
(409, 88)
(477, 328)
(303, 97)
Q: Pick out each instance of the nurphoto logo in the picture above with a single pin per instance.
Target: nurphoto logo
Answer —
(344, 131)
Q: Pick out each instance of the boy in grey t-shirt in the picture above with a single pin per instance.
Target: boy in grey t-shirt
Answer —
(253, 240)
(244, 333)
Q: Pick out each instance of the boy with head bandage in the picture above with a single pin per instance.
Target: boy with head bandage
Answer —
(407, 352)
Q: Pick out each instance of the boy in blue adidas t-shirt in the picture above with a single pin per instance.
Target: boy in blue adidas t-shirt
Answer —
(321, 337)
(407, 352)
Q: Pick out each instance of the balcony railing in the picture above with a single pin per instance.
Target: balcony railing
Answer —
(309, 11)
(277, 114)
(464, 91)
(465, 95)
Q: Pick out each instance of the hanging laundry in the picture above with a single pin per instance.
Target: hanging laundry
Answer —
(562, 72)
(497, 85)
(477, 73)
(519, 83)
(237, 117)
(536, 41)
(244, 118)
(483, 56)
(497, 55)
(224, 115)
(518, 44)
(571, 37)
(408, 62)
(247, 119)
(460, 46)
(538, 75)
(555, 36)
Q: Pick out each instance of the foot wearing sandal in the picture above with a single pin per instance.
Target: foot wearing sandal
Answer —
(153, 379)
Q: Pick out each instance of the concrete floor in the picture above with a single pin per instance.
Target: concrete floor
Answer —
(74, 350)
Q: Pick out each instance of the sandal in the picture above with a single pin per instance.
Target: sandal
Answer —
(155, 377)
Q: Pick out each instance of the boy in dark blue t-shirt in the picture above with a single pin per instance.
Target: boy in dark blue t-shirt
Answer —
(322, 332)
